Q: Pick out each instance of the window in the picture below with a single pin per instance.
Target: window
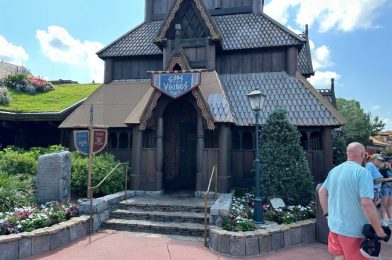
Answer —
(211, 138)
(235, 141)
(304, 141)
(177, 67)
(112, 141)
(315, 141)
(247, 141)
(148, 139)
(123, 141)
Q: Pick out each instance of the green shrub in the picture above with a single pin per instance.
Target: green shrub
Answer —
(5, 96)
(102, 165)
(15, 191)
(14, 160)
(284, 169)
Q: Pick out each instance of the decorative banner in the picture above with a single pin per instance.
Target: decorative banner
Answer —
(100, 140)
(81, 139)
(175, 85)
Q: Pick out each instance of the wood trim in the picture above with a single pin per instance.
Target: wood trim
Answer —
(204, 109)
(148, 113)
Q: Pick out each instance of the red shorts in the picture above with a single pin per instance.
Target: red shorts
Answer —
(339, 245)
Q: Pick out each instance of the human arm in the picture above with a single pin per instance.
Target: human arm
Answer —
(323, 197)
(371, 213)
(381, 180)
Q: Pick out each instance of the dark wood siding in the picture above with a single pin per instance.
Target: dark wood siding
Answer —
(136, 67)
(253, 61)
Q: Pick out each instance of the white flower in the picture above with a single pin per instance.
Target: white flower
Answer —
(2, 221)
(19, 226)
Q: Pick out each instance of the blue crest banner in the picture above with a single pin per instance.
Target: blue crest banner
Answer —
(81, 141)
(175, 85)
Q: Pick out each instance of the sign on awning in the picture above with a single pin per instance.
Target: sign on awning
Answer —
(175, 85)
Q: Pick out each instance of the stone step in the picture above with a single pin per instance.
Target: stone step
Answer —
(157, 227)
(163, 216)
(166, 206)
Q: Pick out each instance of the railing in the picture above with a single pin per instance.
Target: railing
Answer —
(100, 183)
(214, 172)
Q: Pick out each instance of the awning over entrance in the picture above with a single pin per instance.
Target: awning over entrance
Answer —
(113, 103)
(120, 103)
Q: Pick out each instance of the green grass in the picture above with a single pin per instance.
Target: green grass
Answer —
(56, 100)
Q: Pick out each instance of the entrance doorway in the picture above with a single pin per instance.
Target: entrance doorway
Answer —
(180, 146)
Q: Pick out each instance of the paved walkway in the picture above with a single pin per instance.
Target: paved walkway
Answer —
(117, 246)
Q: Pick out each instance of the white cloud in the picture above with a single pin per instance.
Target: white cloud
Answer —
(344, 15)
(60, 46)
(12, 53)
(320, 56)
(322, 79)
(388, 124)
(374, 108)
(279, 9)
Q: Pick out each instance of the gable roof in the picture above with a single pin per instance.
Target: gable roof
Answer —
(241, 31)
(176, 6)
(249, 31)
(305, 65)
(305, 106)
(138, 41)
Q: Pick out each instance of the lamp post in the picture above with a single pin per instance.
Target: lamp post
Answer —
(256, 100)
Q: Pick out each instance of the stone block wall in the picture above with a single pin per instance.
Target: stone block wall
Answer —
(261, 241)
(27, 244)
(102, 207)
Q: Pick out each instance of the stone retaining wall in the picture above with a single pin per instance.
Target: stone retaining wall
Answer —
(27, 244)
(102, 207)
(261, 241)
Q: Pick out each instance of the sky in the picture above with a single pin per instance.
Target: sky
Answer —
(351, 41)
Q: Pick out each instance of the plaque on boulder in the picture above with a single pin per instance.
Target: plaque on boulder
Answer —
(277, 203)
(54, 177)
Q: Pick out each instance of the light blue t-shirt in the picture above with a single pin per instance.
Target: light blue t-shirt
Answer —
(346, 185)
(375, 173)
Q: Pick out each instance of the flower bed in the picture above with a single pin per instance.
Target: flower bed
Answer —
(27, 83)
(241, 214)
(28, 219)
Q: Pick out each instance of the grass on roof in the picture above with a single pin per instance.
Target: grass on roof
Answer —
(60, 98)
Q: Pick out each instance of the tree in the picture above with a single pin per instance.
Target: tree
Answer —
(339, 147)
(358, 127)
(377, 125)
(284, 169)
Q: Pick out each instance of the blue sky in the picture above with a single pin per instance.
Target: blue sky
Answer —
(351, 40)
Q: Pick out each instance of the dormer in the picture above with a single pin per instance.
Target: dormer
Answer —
(189, 30)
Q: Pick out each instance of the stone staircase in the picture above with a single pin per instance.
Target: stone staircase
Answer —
(161, 215)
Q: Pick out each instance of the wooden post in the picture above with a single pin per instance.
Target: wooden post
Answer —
(159, 155)
(199, 153)
(224, 177)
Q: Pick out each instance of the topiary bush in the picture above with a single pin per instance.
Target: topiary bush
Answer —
(102, 165)
(284, 169)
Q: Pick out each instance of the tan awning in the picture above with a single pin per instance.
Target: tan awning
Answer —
(113, 103)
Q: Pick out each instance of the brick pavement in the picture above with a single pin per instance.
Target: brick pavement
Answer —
(118, 246)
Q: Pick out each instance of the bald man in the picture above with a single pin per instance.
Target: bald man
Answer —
(346, 198)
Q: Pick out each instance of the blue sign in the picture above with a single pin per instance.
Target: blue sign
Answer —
(81, 141)
(175, 85)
